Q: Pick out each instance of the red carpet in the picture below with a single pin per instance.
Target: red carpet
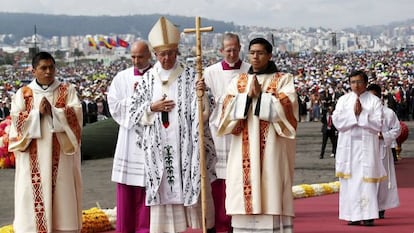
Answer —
(320, 214)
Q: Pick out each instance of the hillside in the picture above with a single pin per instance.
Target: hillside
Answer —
(22, 24)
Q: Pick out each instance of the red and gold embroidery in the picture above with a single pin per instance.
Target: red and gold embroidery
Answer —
(284, 100)
(55, 161)
(247, 185)
(242, 128)
(62, 94)
(288, 109)
(39, 204)
(238, 128)
(272, 88)
(73, 123)
(264, 131)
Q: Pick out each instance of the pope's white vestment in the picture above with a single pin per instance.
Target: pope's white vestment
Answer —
(172, 159)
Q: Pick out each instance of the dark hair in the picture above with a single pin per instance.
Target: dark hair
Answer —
(376, 88)
(360, 73)
(262, 41)
(41, 56)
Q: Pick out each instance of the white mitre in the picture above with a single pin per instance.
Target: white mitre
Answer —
(164, 35)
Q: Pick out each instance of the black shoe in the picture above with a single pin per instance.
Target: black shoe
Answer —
(368, 223)
(211, 230)
(354, 223)
(320, 157)
(381, 214)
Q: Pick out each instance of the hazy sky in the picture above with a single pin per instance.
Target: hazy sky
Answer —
(335, 14)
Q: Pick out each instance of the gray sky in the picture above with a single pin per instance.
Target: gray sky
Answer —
(335, 14)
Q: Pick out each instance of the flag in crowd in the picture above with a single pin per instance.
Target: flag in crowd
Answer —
(112, 42)
(92, 43)
(103, 42)
(122, 42)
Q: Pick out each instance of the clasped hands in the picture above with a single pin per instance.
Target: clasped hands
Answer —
(166, 105)
(357, 107)
(255, 88)
(45, 108)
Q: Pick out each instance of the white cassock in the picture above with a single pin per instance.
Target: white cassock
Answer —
(388, 192)
(358, 161)
(172, 153)
(217, 80)
(48, 183)
(262, 155)
(128, 166)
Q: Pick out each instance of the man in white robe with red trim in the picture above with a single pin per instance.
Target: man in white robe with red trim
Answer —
(45, 136)
(165, 107)
(217, 77)
(261, 113)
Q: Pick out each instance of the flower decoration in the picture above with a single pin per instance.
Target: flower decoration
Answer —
(95, 220)
(7, 159)
(7, 229)
(312, 190)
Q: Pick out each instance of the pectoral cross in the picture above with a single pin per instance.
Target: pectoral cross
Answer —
(199, 66)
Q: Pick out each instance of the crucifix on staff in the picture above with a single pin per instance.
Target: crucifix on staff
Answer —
(200, 94)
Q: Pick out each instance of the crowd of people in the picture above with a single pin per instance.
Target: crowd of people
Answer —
(320, 79)
(254, 107)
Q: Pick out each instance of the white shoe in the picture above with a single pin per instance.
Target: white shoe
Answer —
(332, 155)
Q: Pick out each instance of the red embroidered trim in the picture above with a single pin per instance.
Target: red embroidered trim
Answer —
(284, 100)
(247, 186)
(62, 94)
(69, 112)
(264, 131)
(55, 161)
(242, 127)
(39, 205)
(288, 109)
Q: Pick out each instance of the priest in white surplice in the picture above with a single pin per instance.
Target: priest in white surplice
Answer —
(260, 111)
(217, 78)
(165, 107)
(128, 167)
(358, 118)
(45, 136)
(388, 191)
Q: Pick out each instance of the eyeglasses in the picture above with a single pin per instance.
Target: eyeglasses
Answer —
(166, 53)
(258, 52)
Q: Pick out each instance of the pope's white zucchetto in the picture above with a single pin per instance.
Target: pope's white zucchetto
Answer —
(164, 35)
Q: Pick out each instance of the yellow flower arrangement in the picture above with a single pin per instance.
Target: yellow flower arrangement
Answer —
(312, 190)
(7, 229)
(95, 220)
